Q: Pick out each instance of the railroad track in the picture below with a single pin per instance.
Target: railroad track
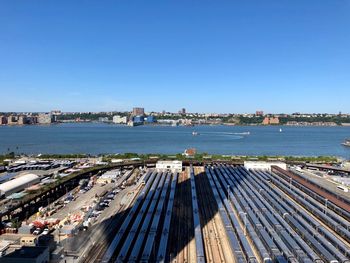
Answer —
(198, 236)
(184, 253)
(335, 202)
(145, 223)
(328, 217)
(181, 233)
(213, 239)
(300, 237)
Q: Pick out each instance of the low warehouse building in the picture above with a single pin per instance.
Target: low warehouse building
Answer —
(108, 177)
(263, 165)
(18, 184)
(174, 166)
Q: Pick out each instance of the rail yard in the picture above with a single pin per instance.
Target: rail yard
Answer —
(217, 212)
(225, 213)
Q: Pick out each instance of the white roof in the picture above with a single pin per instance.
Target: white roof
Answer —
(169, 162)
(264, 165)
(117, 160)
(19, 181)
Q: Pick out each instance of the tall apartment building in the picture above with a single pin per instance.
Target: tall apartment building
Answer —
(138, 111)
(182, 111)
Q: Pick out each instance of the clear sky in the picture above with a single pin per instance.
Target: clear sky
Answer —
(204, 55)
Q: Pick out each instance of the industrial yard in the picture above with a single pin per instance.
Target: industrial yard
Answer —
(215, 212)
(224, 213)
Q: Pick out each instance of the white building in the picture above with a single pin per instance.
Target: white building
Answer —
(120, 120)
(108, 177)
(174, 166)
(18, 184)
(263, 165)
(103, 119)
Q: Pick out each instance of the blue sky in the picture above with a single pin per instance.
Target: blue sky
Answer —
(206, 56)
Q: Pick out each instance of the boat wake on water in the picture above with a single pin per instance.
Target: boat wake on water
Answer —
(235, 135)
(230, 133)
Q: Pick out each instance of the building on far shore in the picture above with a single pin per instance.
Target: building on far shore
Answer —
(266, 121)
(182, 111)
(138, 111)
(271, 120)
(151, 119)
(305, 123)
(275, 120)
(3, 120)
(56, 112)
(138, 119)
(44, 118)
(103, 119)
(12, 120)
(120, 119)
(22, 120)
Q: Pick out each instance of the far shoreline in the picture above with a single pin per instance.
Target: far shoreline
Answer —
(168, 125)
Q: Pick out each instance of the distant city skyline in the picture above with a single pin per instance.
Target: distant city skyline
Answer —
(205, 56)
(179, 112)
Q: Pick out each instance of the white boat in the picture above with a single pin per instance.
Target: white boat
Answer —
(280, 129)
(346, 143)
(194, 133)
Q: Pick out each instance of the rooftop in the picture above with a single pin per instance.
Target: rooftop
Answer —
(27, 252)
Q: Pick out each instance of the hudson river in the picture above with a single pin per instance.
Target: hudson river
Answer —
(96, 138)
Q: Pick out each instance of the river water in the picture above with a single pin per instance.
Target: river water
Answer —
(96, 138)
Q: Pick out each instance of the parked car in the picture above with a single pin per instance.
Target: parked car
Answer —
(37, 231)
(99, 207)
(46, 231)
(110, 196)
(104, 204)
(96, 213)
